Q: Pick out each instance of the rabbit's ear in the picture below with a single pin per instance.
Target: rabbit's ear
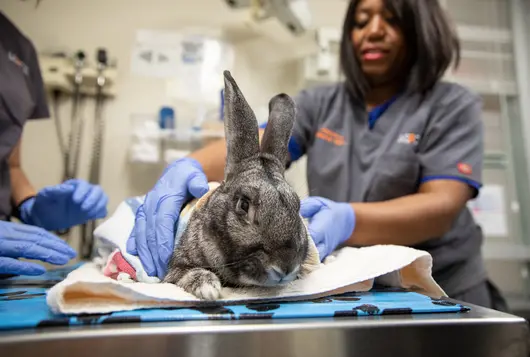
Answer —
(241, 126)
(275, 140)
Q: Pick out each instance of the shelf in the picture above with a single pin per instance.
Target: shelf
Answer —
(486, 55)
(472, 35)
(190, 135)
(506, 251)
(483, 34)
(485, 86)
(519, 305)
(58, 74)
(154, 145)
(481, 86)
(465, 32)
(495, 160)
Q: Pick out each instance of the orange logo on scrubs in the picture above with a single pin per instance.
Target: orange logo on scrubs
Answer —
(17, 61)
(409, 138)
(331, 137)
(464, 168)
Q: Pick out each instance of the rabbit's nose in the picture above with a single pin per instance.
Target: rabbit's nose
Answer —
(279, 276)
(276, 273)
(292, 274)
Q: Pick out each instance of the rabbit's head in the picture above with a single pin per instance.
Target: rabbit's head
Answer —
(262, 233)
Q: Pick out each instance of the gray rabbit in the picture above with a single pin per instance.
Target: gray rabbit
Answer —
(249, 231)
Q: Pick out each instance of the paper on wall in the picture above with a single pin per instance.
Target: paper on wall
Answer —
(154, 61)
(489, 210)
(155, 54)
(191, 63)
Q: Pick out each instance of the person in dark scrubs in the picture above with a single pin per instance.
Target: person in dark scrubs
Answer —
(22, 97)
(393, 153)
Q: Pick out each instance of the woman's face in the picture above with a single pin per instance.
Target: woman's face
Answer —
(378, 42)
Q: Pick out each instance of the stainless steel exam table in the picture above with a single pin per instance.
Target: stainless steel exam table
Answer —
(479, 332)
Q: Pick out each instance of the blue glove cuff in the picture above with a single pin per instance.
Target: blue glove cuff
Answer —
(24, 210)
(352, 219)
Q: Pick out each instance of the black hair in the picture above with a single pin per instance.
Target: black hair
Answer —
(431, 42)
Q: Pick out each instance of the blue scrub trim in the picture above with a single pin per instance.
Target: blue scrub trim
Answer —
(295, 151)
(376, 112)
(470, 182)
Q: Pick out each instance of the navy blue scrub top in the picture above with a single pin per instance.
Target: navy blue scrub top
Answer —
(22, 97)
(355, 156)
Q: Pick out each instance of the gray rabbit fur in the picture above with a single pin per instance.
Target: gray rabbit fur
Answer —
(249, 231)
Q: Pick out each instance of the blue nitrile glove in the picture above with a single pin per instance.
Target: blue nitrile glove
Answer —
(330, 223)
(23, 241)
(153, 235)
(65, 205)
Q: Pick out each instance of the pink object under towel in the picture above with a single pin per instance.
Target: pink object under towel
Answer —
(116, 265)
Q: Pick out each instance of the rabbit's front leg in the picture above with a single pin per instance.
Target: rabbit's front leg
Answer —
(197, 281)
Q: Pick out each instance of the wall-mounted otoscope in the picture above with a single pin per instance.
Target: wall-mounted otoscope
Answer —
(74, 140)
(97, 147)
(99, 124)
(77, 78)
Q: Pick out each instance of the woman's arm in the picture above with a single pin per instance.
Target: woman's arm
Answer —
(411, 219)
(212, 158)
(21, 188)
(450, 155)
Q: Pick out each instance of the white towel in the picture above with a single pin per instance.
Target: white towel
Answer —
(88, 290)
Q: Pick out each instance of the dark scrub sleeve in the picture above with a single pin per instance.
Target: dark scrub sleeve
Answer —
(37, 87)
(454, 143)
(304, 128)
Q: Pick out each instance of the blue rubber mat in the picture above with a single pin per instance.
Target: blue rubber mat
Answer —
(23, 305)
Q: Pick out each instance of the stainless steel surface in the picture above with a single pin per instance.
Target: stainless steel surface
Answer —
(480, 332)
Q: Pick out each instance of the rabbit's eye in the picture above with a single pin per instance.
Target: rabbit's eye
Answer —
(243, 205)
(248, 268)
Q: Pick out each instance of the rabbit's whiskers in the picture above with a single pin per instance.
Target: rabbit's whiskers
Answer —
(229, 264)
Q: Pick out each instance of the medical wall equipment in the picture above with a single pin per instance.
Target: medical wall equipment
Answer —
(74, 79)
(88, 228)
(77, 80)
(294, 16)
(71, 154)
(284, 28)
(58, 70)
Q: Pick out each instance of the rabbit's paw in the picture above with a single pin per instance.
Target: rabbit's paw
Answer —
(202, 283)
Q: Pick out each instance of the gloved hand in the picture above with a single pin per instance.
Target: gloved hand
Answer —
(65, 205)
(153, 235)
(330, 223)
(23, 241)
